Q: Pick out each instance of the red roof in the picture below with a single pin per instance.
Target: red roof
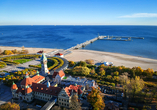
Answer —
(22, 90)
(37, 78)
(60, 73)
(41, 51)
(14, 86)
(42, 88)
(69, 89)
(59, 54)
(28, 90)
(27, 81)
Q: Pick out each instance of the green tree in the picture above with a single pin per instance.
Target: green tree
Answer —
(95, 99)
(81, 70)
(116, 73)
(82, 63)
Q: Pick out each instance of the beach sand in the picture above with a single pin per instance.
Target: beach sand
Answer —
(99, 56)
(116, 58)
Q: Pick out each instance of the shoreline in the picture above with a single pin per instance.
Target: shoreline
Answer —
(118, 59)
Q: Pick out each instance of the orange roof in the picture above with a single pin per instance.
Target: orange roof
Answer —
(69, 89)
(28, 90)
(38, 78)
(14, 86)
(59, 54)
(27, 81)
(21, 90)
(42, 88)
(60, 73)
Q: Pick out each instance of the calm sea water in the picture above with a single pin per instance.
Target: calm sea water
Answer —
(63, 37)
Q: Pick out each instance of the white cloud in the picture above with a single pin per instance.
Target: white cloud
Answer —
(140, 15)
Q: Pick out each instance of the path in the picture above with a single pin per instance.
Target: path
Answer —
(21, 66)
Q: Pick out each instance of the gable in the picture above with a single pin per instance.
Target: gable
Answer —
(63, 94)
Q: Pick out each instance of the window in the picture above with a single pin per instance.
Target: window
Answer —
(67, 100)
(62, 99)
(67, 104)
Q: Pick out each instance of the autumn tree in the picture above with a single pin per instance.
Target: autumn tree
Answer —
(75, 105)
(15, 51)
(7, 52)
(95, 99)
(92, 71)
(81, 70)
(123, 78)
(116, 73)
(134, 86)
(71, 63)
(90, 61)
(82, 63)
(102, 71)
(10, 106)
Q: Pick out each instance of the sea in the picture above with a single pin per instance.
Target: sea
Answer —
(64, 37)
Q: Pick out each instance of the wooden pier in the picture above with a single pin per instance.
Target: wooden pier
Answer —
(86, 43)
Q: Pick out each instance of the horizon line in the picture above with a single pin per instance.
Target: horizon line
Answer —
(80, 25)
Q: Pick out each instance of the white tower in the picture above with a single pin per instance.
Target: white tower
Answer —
(44, 69)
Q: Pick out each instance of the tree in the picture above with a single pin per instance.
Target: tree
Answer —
(10, 106)
(81, 70)
(75, 105)
(135, 85)
(90, 61)
(82, 63)
(123, 78)
(71, 63)
(7, 52)
(95, 99)
(116, 73)
(102, 71)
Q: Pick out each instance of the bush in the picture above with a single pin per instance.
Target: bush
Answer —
(71, 63)
(112, 84)
(2, 64)
(90, 61)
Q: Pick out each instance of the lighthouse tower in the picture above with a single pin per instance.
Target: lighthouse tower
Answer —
(44, 69)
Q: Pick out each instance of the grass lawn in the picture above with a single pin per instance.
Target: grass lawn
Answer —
(48, 64)
(65, 78)
(22, 60)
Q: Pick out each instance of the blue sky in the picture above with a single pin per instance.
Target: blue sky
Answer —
(78, 12)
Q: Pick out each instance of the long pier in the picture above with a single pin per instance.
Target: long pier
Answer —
(85, 43)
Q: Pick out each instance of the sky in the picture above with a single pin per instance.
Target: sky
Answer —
(78, 12)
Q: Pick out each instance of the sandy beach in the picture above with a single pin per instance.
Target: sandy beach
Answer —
(116, 58)
(99, 56)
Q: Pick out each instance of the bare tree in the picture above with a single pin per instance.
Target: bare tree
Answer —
(75, 105)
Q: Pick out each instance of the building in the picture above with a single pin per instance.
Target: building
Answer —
(58, 76)
(44, 70)
(40, 52)
(31, 88)
(59, 55)
(64, 97)
(88, 84)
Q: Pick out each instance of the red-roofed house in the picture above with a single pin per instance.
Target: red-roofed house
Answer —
(40, 52)
(64, 97)
(58, 76)
(59, 55)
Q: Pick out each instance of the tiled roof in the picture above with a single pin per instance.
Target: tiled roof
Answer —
(28, 90)
(42, 88)
(14, 86)
(27, 81)
(60, 73)
(38, 78)
(22, 90)
(71, 88)
(59, 54)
